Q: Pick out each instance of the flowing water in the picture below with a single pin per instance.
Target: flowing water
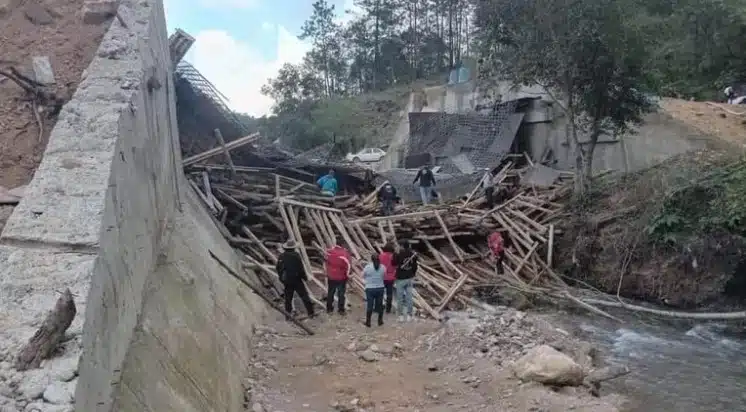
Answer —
(689, 368)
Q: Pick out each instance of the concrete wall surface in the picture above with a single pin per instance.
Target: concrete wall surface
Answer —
(161, 327)
(657, 139)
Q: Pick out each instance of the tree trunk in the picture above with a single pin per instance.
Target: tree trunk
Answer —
(49, 335)
(377, 45)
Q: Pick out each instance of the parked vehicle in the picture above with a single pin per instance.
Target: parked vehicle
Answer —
(366, 155)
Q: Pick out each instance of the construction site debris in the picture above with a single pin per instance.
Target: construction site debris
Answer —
(49, 335)
(258, 209)
(260, 293)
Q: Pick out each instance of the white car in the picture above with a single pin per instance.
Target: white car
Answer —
(366, 155)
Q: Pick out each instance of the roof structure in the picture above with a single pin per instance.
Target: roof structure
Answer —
(201, 109)
(463, 143)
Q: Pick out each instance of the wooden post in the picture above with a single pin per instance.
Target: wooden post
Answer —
(227, 153)
(550, 245)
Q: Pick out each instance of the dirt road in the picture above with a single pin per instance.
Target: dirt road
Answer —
(418, 366)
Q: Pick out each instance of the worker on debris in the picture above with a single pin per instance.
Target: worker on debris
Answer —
(338, 269)
(373, 274)
(427, 181)
(496, 244)
(489, 188)
(328, 184)
(730, 94)
(293, 275)
(387, 196)
(387, 259)
(406, 267)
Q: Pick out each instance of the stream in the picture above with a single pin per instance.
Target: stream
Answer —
(674, 368)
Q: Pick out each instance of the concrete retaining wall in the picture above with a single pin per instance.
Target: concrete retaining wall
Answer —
(657, 139)
(109, 215)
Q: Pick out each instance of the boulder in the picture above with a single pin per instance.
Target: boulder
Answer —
(99, 11)
(546, 365)
(43, 72)
(58, 394)
(6, 6)
(37, 14)
(368, 356)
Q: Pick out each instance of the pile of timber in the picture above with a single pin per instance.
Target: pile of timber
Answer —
(258, 209)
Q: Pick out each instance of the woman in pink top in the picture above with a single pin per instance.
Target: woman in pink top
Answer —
(387, 260)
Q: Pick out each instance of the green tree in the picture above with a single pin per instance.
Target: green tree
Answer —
(327, 45)
(583, 52)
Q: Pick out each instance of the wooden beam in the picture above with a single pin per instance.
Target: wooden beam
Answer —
(226, 152)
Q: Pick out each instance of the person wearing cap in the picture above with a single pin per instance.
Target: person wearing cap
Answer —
(338, 267)
(293, 275)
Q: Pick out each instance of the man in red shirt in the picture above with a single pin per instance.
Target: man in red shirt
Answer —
(337, 272)
(497, 246)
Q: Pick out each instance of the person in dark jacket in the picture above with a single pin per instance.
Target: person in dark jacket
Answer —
(406, 268)
(427, 181)
(293, 276)
(387, 196)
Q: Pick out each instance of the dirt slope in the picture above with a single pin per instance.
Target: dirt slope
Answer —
(58, 32)
(714, 119)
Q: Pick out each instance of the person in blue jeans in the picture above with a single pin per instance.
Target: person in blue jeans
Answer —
(406, 268)
(373, 274)
(427, 182)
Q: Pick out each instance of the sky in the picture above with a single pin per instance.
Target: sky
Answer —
(240, 44)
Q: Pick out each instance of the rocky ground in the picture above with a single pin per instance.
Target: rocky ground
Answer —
(48, 389)
(466, 363)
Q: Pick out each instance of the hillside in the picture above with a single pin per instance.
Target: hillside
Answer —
(671, 234)
(56, 30)
(722, 121)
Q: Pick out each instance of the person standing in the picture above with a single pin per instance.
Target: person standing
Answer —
(387, 259)
(406, 267)
(496, 244)
(337, 272)
(328, 184)
(427, 182)
(293, 277)
(387, 196)
(373, 274)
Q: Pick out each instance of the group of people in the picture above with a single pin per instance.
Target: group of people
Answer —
(388, 273)
(387, 195)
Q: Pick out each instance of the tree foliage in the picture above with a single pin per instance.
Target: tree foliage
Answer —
(388, 43)
(585, 53)
(598, 57)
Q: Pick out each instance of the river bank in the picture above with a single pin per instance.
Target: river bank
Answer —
(464, 363)
(681, 365)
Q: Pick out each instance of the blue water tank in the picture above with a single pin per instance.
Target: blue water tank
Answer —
(463, 74)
